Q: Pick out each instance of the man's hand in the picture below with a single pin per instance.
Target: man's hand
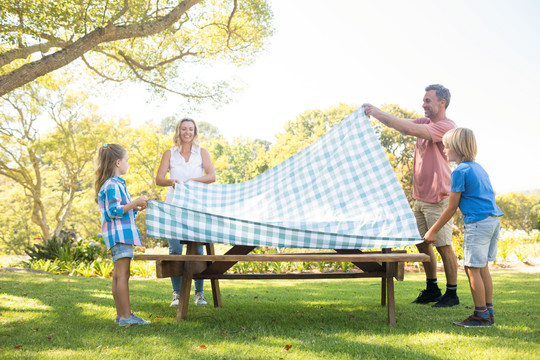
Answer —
(371, 110)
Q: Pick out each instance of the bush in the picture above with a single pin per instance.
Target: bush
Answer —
(50, 249)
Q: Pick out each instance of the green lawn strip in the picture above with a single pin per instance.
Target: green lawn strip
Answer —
(59, 317)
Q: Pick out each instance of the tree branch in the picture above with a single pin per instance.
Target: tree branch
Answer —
(141, 78)
(97, 71)
(111, 32)
(22, 53)
(133, 62)
(229, 32)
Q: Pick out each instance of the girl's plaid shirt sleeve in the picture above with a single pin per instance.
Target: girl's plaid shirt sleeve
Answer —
(117, 227)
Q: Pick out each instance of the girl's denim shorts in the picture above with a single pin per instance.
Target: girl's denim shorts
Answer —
(121, 250)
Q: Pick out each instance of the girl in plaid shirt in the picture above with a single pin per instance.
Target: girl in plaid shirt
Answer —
(118, 226)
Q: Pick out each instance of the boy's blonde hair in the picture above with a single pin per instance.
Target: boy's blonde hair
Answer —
(462, 142)
(107, 156)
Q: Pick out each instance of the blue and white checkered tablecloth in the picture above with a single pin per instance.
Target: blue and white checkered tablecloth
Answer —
(338, 193)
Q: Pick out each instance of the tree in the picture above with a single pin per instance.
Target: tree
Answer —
(15, 223)
(521, 211)
(54, 168)
(207, 131)
(145, 145)
(240, 161)
(147, 41)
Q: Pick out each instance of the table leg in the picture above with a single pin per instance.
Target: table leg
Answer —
(390, 293)
(216, 292)
(185, 289)
(383, 291)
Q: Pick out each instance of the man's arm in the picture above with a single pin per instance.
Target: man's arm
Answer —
(404, 126)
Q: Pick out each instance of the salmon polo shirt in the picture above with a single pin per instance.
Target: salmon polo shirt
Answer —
(431, 176)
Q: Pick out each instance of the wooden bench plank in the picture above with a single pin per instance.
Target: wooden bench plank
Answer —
(273, 276)
(330, 257)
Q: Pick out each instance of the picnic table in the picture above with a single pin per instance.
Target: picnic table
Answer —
(385, 264)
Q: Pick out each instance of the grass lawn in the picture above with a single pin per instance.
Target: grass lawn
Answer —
(59, 317)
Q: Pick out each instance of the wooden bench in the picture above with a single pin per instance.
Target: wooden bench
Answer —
(385, 264)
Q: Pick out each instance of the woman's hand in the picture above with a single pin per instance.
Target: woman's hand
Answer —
(174, 182)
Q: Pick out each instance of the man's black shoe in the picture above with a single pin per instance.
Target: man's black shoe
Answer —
(447, 301)
(427, 296)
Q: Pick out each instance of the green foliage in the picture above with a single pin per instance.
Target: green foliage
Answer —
(240, 161)
(17, 228)
(88, 251)
(103, 268)
(518, 245)
(50, 249)
(55, 168)
(143, 269)
(521, 211)
(159, 43)
(52, 266)
(67, 251)
(85, 269)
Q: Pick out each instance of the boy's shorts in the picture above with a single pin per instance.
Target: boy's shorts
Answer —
(427, 214)
(121, 250)
(480, 242)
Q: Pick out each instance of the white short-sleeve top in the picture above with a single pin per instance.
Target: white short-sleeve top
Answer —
(182, 170)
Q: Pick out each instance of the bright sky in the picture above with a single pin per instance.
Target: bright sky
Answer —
(355, 51)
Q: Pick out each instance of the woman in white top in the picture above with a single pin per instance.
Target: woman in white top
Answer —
(186, 161)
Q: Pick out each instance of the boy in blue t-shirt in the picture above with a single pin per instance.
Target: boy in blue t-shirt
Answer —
(471, 190)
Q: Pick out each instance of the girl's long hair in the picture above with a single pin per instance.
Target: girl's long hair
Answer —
(107, 156)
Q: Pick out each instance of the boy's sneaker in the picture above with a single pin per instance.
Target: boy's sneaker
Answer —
(133, 320)
(447, 301)
(426, 296)
(175, 299)
(491, 319)
(199, 299)
(474, 321)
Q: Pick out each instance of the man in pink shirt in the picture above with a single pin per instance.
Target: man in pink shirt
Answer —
(431, 187)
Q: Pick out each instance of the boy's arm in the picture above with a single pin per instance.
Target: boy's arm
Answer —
(453, 203)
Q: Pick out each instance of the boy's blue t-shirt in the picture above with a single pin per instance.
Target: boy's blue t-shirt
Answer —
(477, 200)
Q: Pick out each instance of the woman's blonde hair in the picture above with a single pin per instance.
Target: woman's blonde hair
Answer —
(107, 156)
(176, 138)
(462, 142)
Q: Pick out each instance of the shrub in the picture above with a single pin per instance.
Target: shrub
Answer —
(50, 249)
(143, 268)
(52, 266)
(85, 269)
(104, 268)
